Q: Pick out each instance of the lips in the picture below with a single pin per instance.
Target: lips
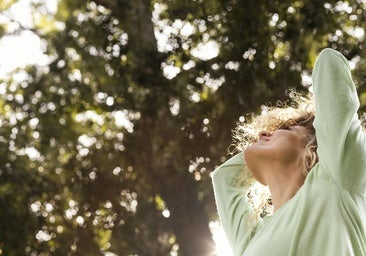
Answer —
(264, 139)
(261, 141)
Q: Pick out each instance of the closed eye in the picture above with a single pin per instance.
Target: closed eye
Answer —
(285, 128)
(290, 128)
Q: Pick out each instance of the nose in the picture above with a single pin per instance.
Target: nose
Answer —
(263, 135)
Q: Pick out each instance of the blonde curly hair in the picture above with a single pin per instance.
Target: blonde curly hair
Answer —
(299, 111)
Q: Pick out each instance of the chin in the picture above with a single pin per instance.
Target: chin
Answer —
(250, 154)
(251, 161)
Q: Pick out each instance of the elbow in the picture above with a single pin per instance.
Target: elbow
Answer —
(331, 55)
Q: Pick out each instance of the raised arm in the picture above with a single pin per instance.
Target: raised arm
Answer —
(341, 141)
(235, 211)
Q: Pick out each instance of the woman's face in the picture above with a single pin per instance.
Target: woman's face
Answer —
(276, 151)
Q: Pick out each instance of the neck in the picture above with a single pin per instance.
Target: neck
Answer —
(284, 185)
(280, 195)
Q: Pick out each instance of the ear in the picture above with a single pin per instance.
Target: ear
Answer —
(311, 157)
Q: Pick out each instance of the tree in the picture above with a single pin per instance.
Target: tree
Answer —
(104, 149)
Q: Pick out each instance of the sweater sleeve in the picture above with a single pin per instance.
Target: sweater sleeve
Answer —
(236, 213)
(341, 140)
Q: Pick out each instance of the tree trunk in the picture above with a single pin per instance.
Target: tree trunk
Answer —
(188, 217)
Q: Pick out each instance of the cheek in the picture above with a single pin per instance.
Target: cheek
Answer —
(288, 151)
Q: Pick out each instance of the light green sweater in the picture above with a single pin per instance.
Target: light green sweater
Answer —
(327, 216)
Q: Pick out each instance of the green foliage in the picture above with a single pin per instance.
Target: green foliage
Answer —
(103, 151)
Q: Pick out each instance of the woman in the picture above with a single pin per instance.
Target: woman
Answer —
(317, 186)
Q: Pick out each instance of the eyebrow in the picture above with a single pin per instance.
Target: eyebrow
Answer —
(288, 123)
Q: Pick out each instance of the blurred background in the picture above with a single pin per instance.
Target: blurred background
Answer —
(114, 113)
